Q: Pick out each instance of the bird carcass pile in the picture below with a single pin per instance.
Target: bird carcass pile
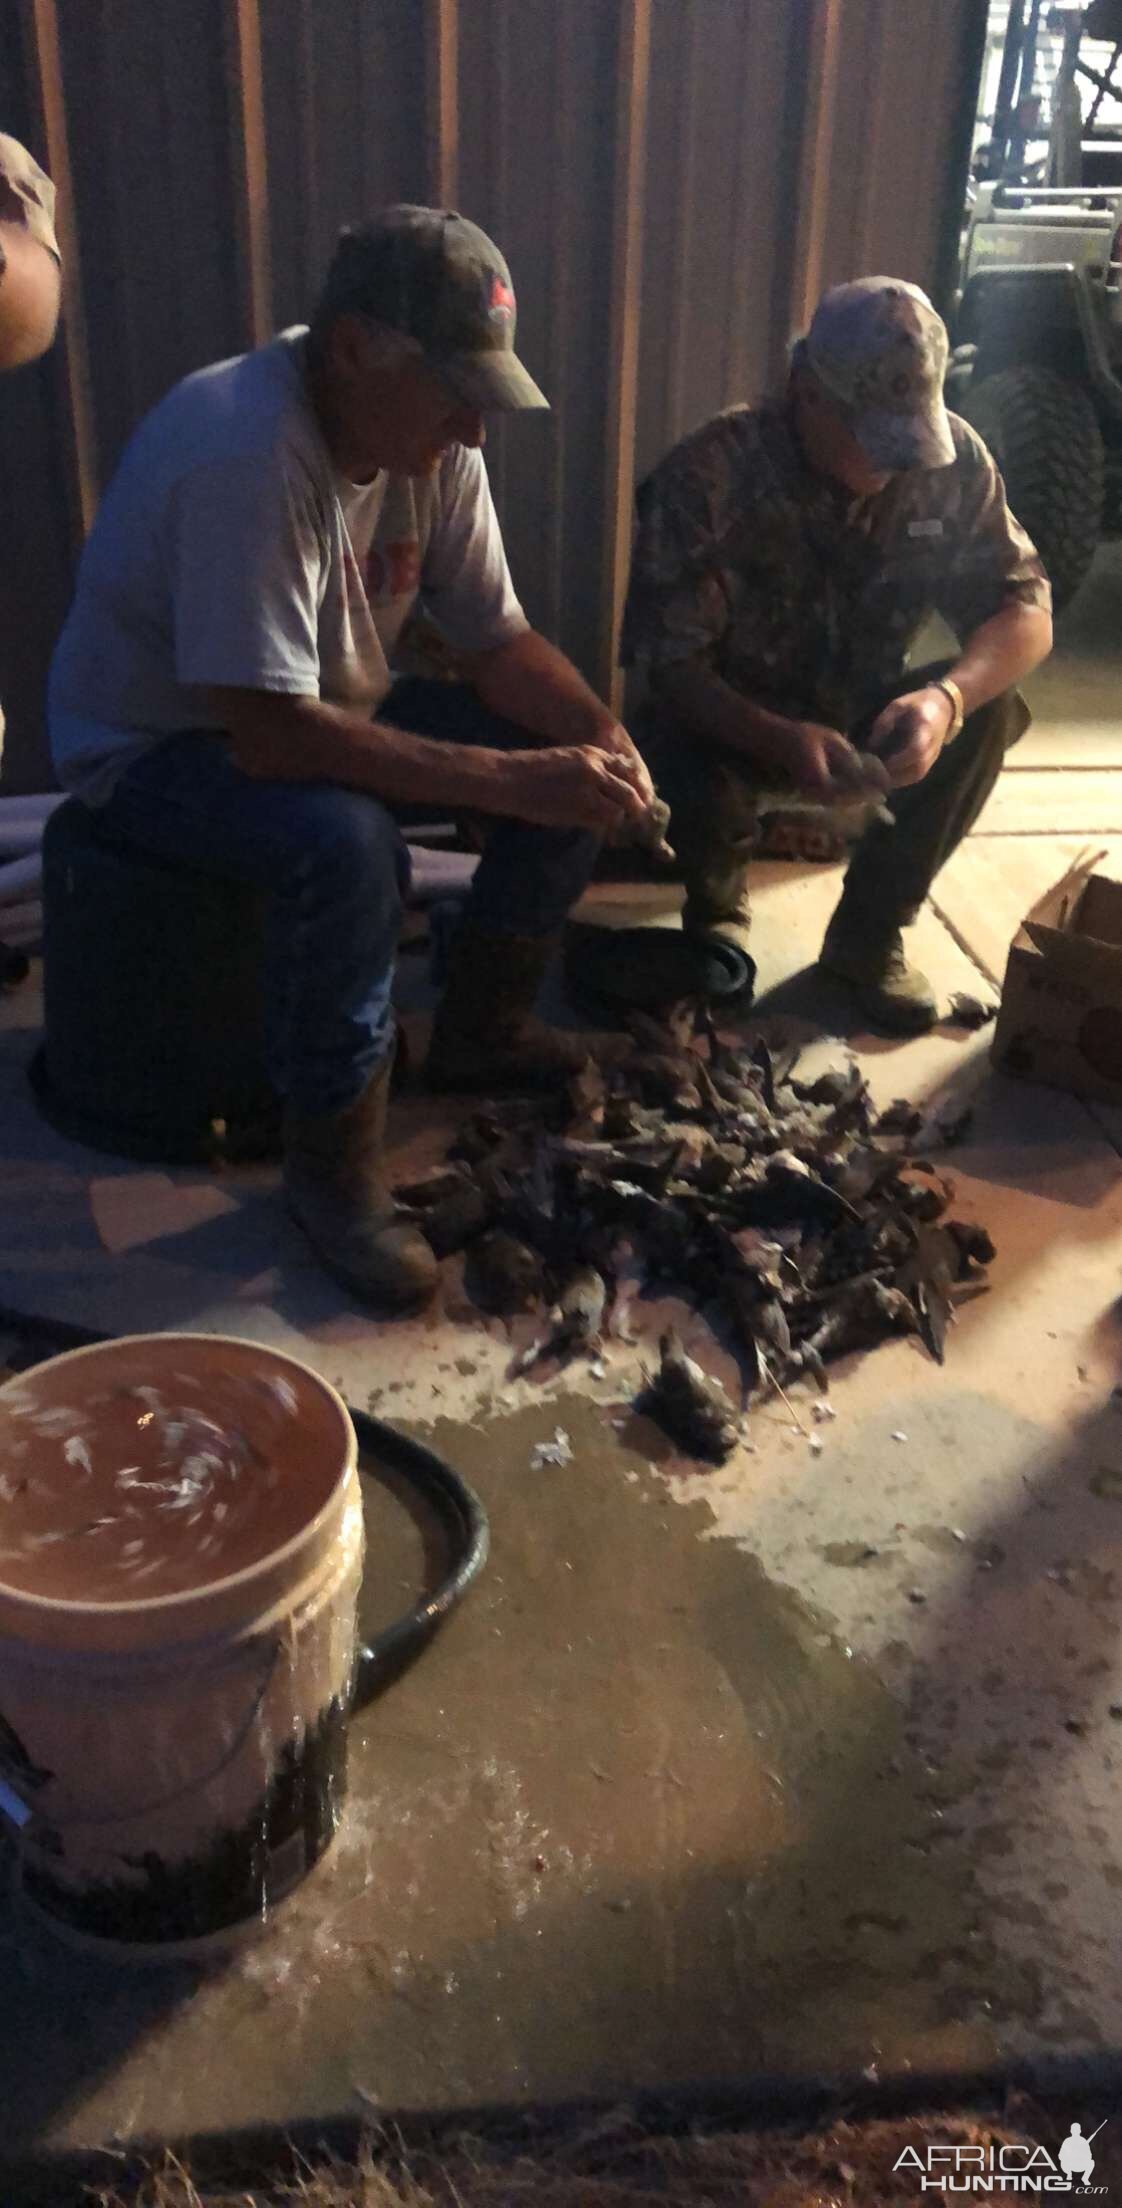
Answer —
(805, 1225)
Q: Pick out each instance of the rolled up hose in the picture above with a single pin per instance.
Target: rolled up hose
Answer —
(464, 1519)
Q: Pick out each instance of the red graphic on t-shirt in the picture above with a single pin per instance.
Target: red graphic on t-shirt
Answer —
(393, 570)
(349, 590)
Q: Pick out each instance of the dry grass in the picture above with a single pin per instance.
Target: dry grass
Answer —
(616, 2165)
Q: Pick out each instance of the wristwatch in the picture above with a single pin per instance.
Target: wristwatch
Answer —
(953, 694)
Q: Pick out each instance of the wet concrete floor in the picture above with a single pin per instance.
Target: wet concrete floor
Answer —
(638, 1815)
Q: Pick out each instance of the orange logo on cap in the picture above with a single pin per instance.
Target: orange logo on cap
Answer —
(502, 301)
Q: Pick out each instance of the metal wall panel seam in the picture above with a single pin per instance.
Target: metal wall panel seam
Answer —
(442, 100)
(41, 40)
(937, 78)
(627, 241)
(680, 321)
(251, 174)
(814, 168)
(314, 244)
(558, 297)
(735, 373)
(872, 180)
(500, 184)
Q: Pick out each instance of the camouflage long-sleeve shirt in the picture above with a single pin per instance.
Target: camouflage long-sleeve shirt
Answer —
(803, 598)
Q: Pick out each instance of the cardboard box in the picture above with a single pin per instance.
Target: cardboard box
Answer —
(1061, 1008)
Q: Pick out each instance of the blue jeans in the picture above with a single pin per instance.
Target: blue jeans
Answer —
(334, 864)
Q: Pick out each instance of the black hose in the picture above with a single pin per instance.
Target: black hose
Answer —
(463, 1517)
(457, 1505)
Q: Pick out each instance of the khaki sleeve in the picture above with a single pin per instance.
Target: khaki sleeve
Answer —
(27, 196)
(997, 561)
(677, 601)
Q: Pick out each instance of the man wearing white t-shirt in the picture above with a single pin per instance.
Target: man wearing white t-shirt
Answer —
(223, 691)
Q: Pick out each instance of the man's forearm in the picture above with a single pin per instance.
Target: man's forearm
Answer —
(30, 288)
(283, 739)
(712, 712)
(1001, 653)
(530, 682)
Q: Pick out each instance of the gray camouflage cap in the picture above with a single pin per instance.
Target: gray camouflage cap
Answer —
(879, 347)
(440, 280)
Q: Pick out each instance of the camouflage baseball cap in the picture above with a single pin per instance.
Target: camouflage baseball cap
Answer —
(438, 278)
(879, 347)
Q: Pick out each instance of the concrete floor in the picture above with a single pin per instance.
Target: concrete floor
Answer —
(811, 1763)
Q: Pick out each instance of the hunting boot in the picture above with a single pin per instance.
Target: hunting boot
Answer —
(895, 996)
(335, 1184)
(717, 904)
(715, 836)
(485, 1034)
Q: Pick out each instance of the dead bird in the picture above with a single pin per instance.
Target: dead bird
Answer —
(919, 1192)
(970, 1012)
(844, 1092)
(675, 1029)
(927, 1279)
(863, 1314)
(662, 1231)
(649, 833)
(974, 1246)
(945, 1128)
(454, 1222)
(433, 1189)
(504, 1274)
(625, 1118)
(587, 1097)
(664, 1077)
(899, 1118)
(575, 1323)
(691, 1408)
(860, 790)
(762, 1061)
(484, 1130)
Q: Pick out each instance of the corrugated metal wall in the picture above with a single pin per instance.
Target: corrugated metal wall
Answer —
(672, 180)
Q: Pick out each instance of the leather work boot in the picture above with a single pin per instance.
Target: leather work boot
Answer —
(334, 1178)
(721, 910)
(485, 1035)
(895, 996)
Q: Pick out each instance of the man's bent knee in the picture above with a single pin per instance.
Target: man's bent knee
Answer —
(354, 837)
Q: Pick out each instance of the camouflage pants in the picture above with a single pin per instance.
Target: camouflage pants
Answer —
(716, 809)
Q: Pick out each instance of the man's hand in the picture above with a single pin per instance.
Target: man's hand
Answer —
(824, 762)
(615, 740)
(572, 786)
(910, 733)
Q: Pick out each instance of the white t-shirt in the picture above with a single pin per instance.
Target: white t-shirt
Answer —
(228, 552)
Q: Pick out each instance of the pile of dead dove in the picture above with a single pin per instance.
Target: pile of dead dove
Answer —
(809, 1225)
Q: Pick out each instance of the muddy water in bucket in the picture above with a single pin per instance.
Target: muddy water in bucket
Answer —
(180, 1556)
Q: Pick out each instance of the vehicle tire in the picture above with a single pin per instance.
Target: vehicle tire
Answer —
(1043, 433)
(1112, 491)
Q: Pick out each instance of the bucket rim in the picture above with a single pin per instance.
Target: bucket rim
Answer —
(187, 1598)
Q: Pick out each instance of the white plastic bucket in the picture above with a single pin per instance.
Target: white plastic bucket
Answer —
(172, 1732)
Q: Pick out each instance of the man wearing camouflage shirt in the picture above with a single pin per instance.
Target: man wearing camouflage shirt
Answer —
(787, 557)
